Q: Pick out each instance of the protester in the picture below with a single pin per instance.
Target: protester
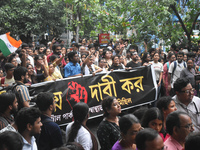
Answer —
(10, 140)
(154, 119)
(171, 58)
(129, 127)
(166, 105)
(158, 69)
(108, 131)
(77, 131)
(149, 139)
(8, 108)
(115, 63)
(22, 92)
(134, 63)
(189, 72)
(192, 141)
(50, 136)
(29, 124)
(175, 69)
(145, 59)
(186, 101)
(179, 125)
(9, 78)
(72, 68)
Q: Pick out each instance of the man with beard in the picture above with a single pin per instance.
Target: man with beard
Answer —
(29, 124)
(134, 63)
(57, 51)
(174, 71)
(8, 108)
(21, 91)
(50, 136)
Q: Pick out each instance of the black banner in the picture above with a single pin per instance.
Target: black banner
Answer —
(132, 88)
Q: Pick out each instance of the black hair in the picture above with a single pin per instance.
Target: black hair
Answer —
(113, 57)
(180, 83)
(83, 54)
(144, 57)
(55, 46)
(164, 102)
(116, 45)
(75, 44)
(44, 100)
(173, 46)
(145, 135)
(192, 141)
(191, 55)
(156, 52)
(11, 140)
(18, 72)
(90, 46)
(104, 51)
(126, 122)
(139, 113)
(71, 55)
(151, 114)
(8, 66)
(6, 99)
(151, 50)
(194, 49)
(170, 55)
(11, 57)
(24, 45)
(180, 53)
(135, 47)
(53, 57)
(25, 116)
(106, 104)
(80, 113)
(173, 119)
(37, 57)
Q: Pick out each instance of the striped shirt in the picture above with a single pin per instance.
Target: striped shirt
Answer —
(23, 92)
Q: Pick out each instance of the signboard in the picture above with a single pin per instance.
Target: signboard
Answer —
(104, 38)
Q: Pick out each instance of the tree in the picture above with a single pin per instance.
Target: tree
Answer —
(157, 18)
(26, 17)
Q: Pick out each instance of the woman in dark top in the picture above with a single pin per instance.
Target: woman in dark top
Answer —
(108, 131)
(115, 63)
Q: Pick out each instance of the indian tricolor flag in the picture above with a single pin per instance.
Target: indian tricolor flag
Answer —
(8, 44)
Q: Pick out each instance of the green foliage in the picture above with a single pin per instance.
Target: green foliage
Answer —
(32, 16)
(155, 18)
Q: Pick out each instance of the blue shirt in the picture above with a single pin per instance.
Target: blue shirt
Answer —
(70, 69)
(50, 136)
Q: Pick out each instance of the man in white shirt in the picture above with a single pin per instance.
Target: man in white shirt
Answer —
(174, 72)
(28, 122)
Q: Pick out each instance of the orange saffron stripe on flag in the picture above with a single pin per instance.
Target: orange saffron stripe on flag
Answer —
(12, 41)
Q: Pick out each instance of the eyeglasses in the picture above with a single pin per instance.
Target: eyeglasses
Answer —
(189, 126)
(188, 91)
(11, 69)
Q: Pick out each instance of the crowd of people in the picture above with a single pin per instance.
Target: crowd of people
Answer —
(173, 123)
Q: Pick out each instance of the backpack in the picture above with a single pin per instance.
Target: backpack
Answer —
(12, 89)
(175, 65)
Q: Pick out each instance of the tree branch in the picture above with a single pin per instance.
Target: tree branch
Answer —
(193, 25)
(179, 18)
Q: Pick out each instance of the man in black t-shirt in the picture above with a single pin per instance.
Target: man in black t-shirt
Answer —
(134, 63)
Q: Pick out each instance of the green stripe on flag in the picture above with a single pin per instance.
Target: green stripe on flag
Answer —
(4, 49)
